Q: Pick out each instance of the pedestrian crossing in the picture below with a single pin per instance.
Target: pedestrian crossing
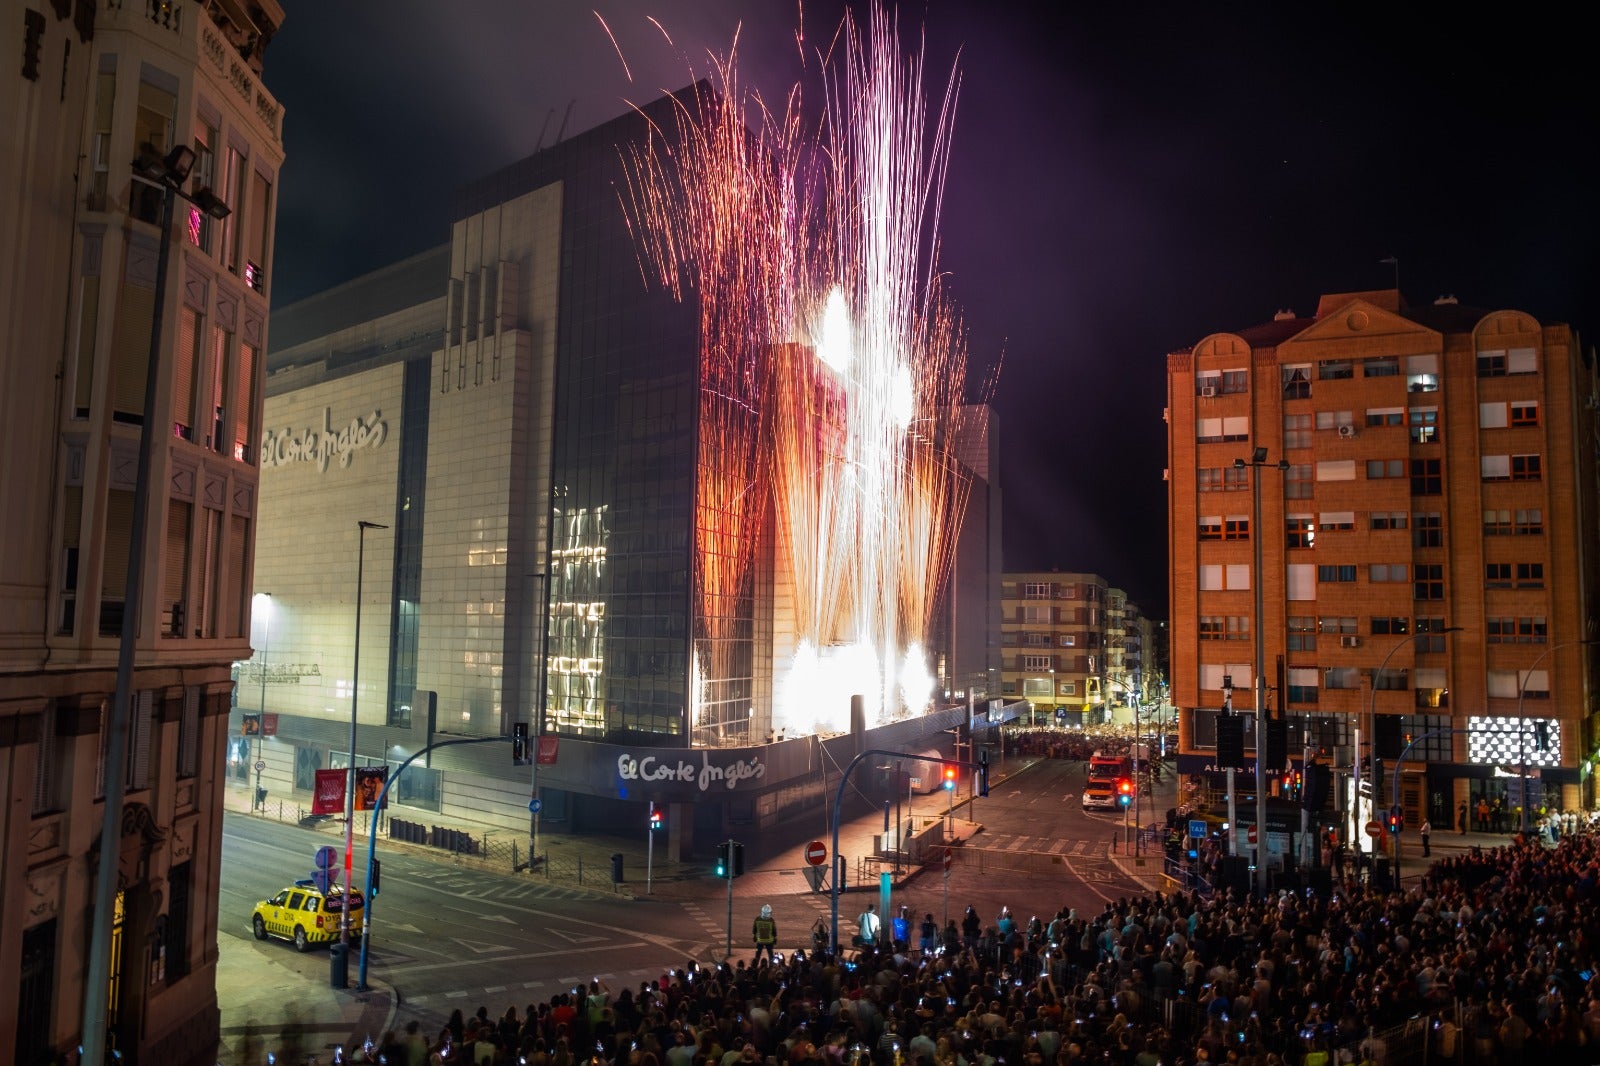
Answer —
(1042, 845)
(474, 886)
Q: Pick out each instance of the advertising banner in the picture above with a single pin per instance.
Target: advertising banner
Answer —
(369, 786)
(329, 795)
(545, 754)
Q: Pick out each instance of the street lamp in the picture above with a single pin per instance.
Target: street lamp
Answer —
(169, 173)
(1258, 459)
(355, 690)
(266, 646)
(1372, 724)
(1522, 721)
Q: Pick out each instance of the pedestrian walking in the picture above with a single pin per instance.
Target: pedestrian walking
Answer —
(764, 930)
(1427, 832)
(869, 925)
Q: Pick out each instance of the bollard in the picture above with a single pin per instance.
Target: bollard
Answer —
(338, 966)
(616, 868)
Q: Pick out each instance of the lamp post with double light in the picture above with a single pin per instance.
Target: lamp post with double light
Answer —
(1522, 720)
(1258, 460)
(169, 174)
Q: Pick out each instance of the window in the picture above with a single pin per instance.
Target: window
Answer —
(1530, 521)
(1036, 591)
(1300, 531)
(1300, 581)
(1208, 479)
(1213, 627)
(1495, 467)
(1235, 478)
(1383, 573)
(260, 233)
(1385, 468)
(1297, 482)
(1525, 468)
(1333, 624)
(1302, 633)
(1334, 420)
(189, 733)
(1424, 423)
(1431, 635)
(1337, 520)
(1296, 382)
(1492, 364)
(1502, 684)
(1491, 416)
(1069, 688)
(1208, 430)
(1036, 640)
(1427, 529)
(1237, 527)
(1211, 527)
(1426, 478)
(176, 944)
(1335, 574)
(1037, 662)
(1496, 523)
(46, 785)
(200, 225)
(1428, 581)
(1524, 412)
(1530, 575)
(1302, 684)
(1500, 630)
(1341, 677)
(1038, 614)
(1235, 381)
(1211, 577)
(1335, 370)
(1238, 575)
(1236, 428)
(1238, 627)
(1383, 366)
(1207, 380)
(1531, 630)
(1432, 691)
(1422, 373)
(1394, 680)
(1522, 361)
(1497, 575)
(152, 124)
(1336, 470)
(1297, 431)
(1069, 640)
(1389, 627)
(1387, 520)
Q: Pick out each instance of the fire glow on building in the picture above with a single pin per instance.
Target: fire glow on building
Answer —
(832, 375)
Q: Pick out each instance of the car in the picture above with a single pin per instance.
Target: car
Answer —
(307, 915)
(1099, 797)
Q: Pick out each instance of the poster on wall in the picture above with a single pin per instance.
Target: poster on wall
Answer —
(548, 748)
(328, 796)
(369, 787)
(252, 725)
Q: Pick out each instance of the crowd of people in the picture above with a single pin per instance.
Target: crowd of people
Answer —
(1490, 958)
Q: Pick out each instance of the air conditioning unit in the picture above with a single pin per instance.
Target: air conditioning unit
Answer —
(1349, 642)
(1347, 430)
(1208, 391)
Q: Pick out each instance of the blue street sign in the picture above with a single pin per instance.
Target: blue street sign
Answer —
(1197, 828)
(323, 879)
(534, 805)
(327, 857)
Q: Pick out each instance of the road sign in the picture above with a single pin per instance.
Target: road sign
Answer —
(916, 782)
(261, 764)
(1374, 830)
(534, 805)
(327, 858)
(1197, 828)
(1251, 835)
(816, 853)
(949, 858)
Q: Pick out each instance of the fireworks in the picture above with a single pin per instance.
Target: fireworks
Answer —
(832, 370)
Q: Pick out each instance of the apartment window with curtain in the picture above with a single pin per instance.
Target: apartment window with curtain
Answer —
(219, 370)
(244, 406)
(201, 227)
(187, 361)
(259, 233)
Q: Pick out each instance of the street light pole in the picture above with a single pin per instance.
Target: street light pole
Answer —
(169, 174)
(1257, 460)
(266, 646)
(355, 690)
(1522, 720)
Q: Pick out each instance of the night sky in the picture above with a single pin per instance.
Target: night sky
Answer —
(1123, 183)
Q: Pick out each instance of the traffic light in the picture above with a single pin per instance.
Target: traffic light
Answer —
(1394, 820)
(1230, 741)
(372, 882)
(1314, 797)
(738, 859)
(983, 772)
(657, 820)
(722, 859)
(1124, 791)
(519, 743)
(949, 778)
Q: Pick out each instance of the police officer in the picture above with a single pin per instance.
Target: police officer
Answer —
(764, 930)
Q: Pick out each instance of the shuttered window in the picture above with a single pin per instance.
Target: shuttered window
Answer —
(44, 765)
(175, 568)
(238, 538)
(114, 564)
(71, 519)
(130, 352)
(189, 733)
(141, 723)
(88, 330)
(244, 406)
(186, 359)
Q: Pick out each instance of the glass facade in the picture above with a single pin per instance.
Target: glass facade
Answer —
(410, 508)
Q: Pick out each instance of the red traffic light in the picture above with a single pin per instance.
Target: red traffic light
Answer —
(1125, 786)
(949, 777)
(656, 818)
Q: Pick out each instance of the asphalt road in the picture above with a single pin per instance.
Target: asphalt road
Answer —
(448, 935)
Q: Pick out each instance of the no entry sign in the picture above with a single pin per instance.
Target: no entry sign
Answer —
(816, 853)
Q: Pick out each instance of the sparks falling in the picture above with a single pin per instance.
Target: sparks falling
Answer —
(832, 370)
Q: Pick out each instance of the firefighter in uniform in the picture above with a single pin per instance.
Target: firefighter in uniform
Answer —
(765, 932)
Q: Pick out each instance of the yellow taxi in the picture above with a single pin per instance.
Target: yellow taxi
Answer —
(306, 915)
